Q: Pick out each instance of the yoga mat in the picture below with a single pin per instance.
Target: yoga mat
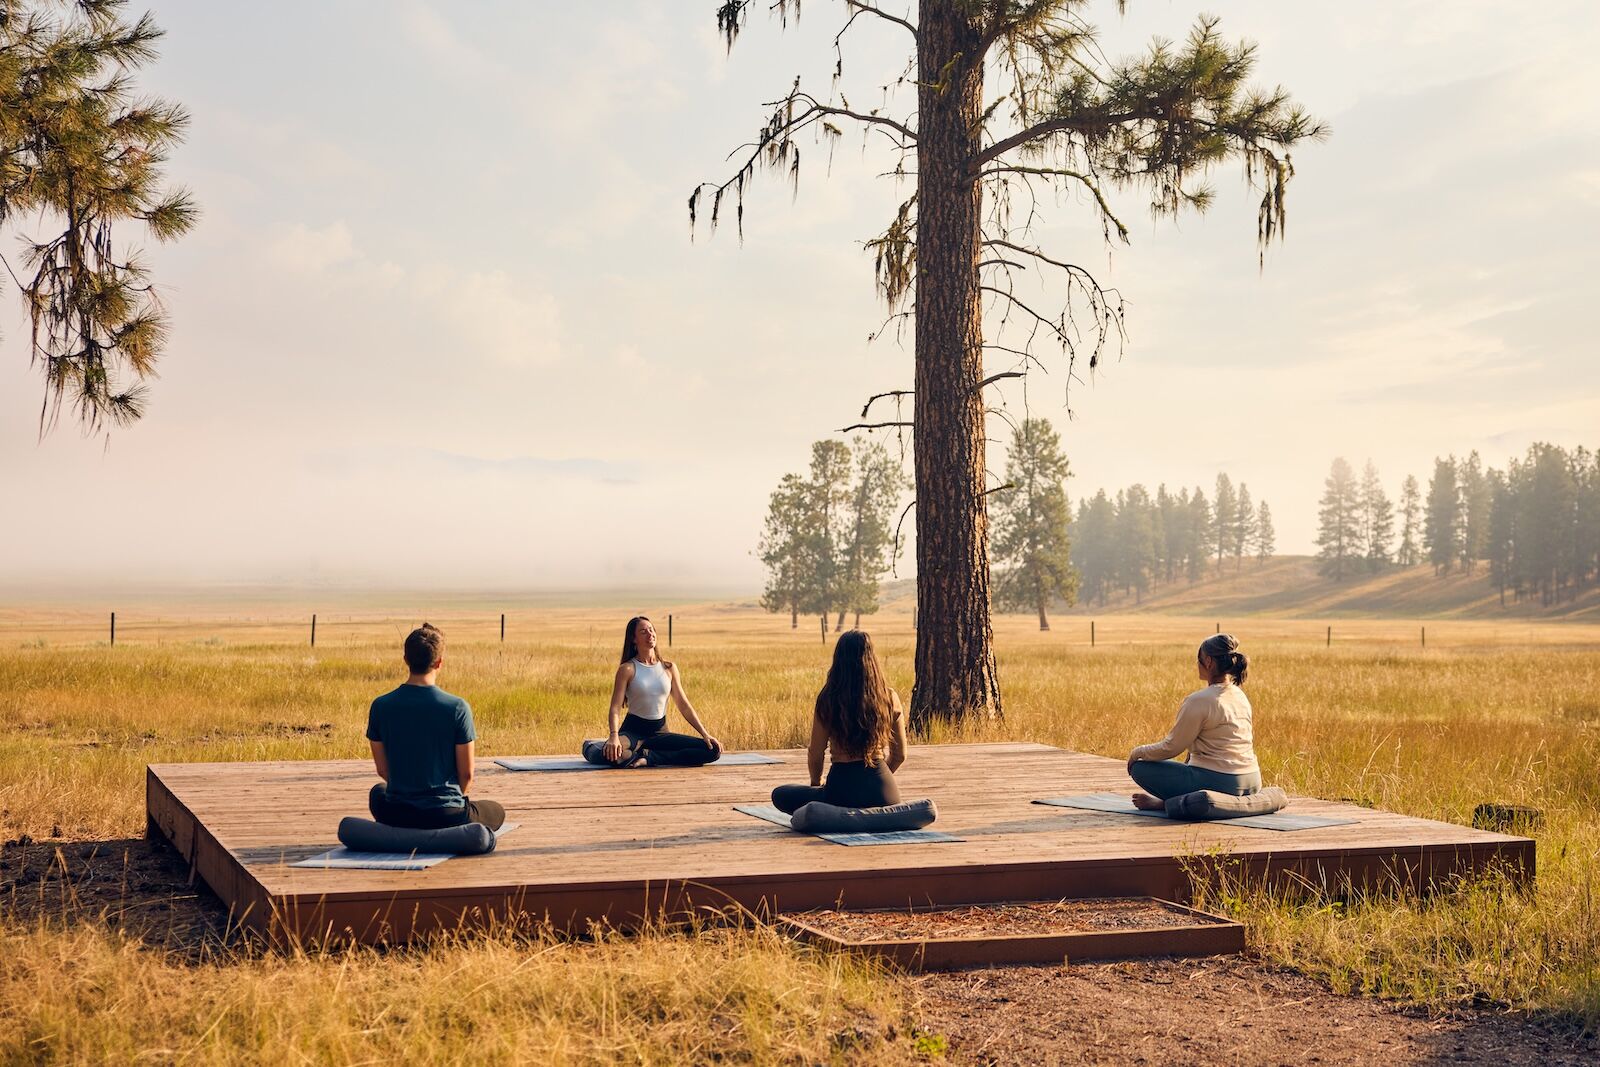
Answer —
(578, 763)
(1118, 804)
(888, 837)
(342, 858)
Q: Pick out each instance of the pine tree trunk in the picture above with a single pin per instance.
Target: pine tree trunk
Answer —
(955, 666)
(838, 626)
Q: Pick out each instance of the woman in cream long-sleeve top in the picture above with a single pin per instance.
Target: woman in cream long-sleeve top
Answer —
(1213, 726)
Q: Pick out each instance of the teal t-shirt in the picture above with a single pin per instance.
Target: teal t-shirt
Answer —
(420, 727)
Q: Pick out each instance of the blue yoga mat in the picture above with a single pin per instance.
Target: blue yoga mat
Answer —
(344, 859)
(578, 763)
(888, 837)
(1119, 804)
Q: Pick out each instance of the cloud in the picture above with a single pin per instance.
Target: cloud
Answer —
(312, 249)
(491, 315)
(494, 316)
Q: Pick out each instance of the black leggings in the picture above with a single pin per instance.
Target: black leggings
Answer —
(851, 784)
(660, 747)
(396, 813)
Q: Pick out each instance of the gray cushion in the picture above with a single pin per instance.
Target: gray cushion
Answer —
(364, 835)
(1205, 804)
(819, 818)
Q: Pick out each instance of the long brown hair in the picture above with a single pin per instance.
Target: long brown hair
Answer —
(629, 649)
(855, 704)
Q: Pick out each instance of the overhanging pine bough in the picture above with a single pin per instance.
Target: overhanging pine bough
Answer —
(80, 150)
(1064, 119)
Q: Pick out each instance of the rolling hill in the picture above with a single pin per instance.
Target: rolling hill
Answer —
(1290, 586)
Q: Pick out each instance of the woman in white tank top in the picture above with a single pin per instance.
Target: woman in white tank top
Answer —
(643, 685)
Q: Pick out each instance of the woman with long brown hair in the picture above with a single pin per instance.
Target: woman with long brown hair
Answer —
(859, 720)
(642, 686)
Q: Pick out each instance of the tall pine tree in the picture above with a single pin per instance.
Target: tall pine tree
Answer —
(1009, 97)
(1339, 521)
(1441, 528)
(1032, 542)
(1266, 541)
(1410, 552)
(1377, 519)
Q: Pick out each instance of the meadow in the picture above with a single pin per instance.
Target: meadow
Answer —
(1488, 711)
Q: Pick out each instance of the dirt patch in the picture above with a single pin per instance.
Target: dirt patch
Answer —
(1215, 1011)
(999, 920)
(139, 886)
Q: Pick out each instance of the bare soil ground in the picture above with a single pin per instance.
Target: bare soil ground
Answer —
(1175, 1012)
(1162, 1012)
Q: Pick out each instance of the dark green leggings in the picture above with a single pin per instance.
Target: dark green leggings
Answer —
(1169, 778)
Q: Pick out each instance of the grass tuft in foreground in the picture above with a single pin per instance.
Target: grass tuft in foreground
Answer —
(83, 992)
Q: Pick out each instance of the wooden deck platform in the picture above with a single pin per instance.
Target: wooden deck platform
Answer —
(617, 845)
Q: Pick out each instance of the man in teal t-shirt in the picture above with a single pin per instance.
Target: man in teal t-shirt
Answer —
(422, 742)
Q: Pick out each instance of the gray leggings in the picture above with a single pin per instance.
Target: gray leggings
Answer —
(1169, 778)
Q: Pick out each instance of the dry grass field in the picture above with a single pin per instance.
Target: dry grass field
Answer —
(1506, 712)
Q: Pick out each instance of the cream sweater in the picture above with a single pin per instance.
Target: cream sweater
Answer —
(1214, 726)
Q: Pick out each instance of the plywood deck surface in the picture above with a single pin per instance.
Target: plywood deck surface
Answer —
(617, 844)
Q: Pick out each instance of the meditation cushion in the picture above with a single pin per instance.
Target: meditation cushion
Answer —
(1205, 804)
(819, 818)
(364, 835)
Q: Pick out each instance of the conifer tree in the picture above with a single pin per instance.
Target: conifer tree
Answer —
(81, 157)
(879, 485)
(1094, 547)
(1339, 530)
(1032, 541)
(1199, 534)
(1377, 519)
(830, 488)
(1014, 98)
(1135, 541)
(1244, 526)
(1173, 511)
(1441, 529)
(789, 548)
(1501, 538)
(1224, 514)
(1475, 502)
(1409, 554)
(1266, 540)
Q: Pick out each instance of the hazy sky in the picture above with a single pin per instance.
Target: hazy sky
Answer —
(442, 320)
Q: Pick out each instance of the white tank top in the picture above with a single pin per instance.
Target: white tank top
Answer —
(648, 691)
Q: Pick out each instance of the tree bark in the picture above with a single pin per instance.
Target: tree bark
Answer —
(955, 666)
(1044, 623)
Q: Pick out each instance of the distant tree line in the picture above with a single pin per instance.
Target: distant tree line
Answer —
(829, 534)
(1133, 542)
(1535, 524)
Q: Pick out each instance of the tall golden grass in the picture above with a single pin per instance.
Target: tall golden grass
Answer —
(1487, 712)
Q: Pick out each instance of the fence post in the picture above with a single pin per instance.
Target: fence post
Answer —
(1091, 633)
(113, 629)
(1424, 637)
(1219, 627)
(502, 627)
(1330, 637)
(669, 631)
(313, 631)
(822, 621)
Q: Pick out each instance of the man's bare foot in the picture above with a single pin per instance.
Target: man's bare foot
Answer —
(1146, 802)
